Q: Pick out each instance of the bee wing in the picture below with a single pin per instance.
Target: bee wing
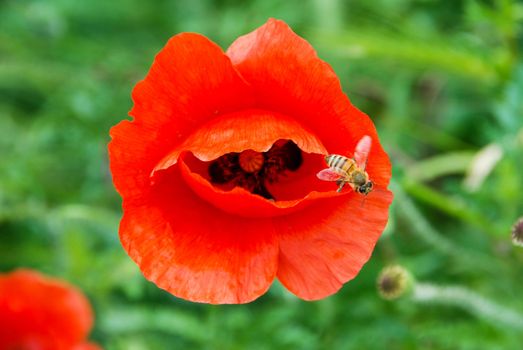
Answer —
(361, 153)
(329, 175)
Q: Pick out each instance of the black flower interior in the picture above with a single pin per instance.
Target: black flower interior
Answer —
(253, 170)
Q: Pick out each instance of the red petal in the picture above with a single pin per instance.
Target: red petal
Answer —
(190, 82)
(44, 311)
(288, 77)
(234, 133)
(324, 246)
(196, 251)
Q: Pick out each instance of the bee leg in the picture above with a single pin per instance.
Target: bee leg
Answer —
(340, 184)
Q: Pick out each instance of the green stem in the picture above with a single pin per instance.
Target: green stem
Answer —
(450, 206)
(440, 165)
(424, 230)
(421, 227)
(468, 300)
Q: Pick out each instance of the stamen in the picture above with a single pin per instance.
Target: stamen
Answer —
(224, 169)
(251, 170)
(251, 161)
(283, 155)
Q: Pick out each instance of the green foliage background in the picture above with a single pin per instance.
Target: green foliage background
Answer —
(441, 79)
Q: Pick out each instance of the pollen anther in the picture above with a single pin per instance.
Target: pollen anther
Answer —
(251, 161)
(252, 170)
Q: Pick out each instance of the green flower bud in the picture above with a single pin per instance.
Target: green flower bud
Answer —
(517, 233)
(394, 281)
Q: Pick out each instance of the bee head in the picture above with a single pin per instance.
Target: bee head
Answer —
(366, 188)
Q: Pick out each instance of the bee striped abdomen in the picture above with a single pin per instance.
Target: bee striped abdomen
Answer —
(340, 163)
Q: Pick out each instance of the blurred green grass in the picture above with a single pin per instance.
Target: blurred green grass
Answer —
(441, 80)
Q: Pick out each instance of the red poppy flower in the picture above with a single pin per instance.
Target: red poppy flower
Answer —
(42, 313)
(217, 171)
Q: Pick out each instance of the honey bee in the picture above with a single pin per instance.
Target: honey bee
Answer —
(350, 171)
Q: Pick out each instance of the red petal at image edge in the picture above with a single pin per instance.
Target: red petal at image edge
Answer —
(42, 307)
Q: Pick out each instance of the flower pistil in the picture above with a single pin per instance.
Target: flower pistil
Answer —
(251, 170)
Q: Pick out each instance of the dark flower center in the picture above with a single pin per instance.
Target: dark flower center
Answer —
(252, 170)
(388, 285)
